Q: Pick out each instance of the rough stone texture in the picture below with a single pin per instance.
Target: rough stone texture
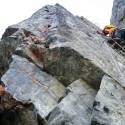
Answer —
(118, 13)
(33, 52)
(27, 116)
(20, 42)
(84, 54)
(68, 65)
(76, 107)
(7, 47)
(65, 33)
(55, 42)
(28, 84)
(13, 112)
(76, 50)
(7, 102)
(109, 105)
(9, 31)
(24, 116)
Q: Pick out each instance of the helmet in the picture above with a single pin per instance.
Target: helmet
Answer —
(109, 26)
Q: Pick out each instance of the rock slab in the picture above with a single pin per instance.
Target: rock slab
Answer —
(28, 84)
(76, 107)
(109, 105)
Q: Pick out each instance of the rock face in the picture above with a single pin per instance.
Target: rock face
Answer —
(109, 105)
(54, 65)
(76, 107)
(7, 47)
(118, 13)
(64, 33)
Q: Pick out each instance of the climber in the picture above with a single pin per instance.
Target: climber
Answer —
(116, 34)
(109, 30)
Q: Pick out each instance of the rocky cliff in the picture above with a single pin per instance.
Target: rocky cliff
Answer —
(57, 70)
(118, 13)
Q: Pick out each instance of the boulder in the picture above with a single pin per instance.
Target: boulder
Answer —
(28, 84)
(109, 104)
(76, 107)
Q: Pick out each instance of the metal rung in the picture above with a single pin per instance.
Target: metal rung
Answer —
(122, 49)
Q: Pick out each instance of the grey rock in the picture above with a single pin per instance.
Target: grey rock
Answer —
(68, 65)
(68, 48)
(85, 55)
(32, 52)
(76, 107)
(9, 31)
(28, 84)
(7, 48)
(109, 105)
(118, 13)
(65, 33)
